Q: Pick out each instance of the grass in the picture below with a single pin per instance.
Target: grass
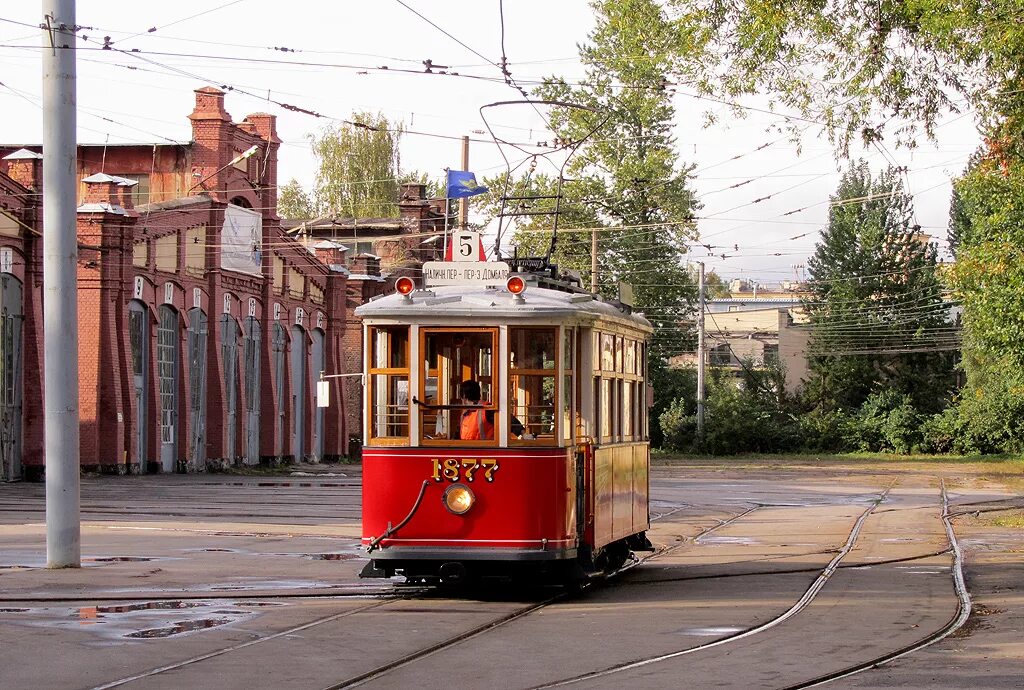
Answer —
(1016, 521)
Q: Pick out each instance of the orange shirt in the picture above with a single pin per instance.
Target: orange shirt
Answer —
(475, 425)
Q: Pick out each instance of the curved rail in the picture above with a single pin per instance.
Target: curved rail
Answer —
(807, 597)
(959, 618)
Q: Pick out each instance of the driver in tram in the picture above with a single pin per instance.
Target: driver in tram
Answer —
(479, 423)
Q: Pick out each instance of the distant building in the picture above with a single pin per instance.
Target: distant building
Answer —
(402, 244)
(744, 329)
(203, 327)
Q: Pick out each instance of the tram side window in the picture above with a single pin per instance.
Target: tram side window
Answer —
(568, 395)
(533, 392)
(389, 382)
(450, 357)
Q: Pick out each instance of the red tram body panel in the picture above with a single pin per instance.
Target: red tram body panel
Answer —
(525, 503)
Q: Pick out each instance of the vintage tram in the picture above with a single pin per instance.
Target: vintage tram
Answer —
(546, 472)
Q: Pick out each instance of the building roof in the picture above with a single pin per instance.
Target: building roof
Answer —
(338, 223)
(22, 154)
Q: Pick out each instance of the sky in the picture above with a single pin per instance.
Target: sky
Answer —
(327, 58)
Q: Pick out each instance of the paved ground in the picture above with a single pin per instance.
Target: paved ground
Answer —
(769, 576)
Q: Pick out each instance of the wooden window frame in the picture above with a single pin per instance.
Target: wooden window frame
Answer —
(371, 372)
(555, 373)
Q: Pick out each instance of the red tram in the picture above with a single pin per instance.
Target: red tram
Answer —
(545, 472)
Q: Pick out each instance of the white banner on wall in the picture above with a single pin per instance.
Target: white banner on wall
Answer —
(241, 240)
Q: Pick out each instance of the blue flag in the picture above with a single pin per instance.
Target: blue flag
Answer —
(462, 184)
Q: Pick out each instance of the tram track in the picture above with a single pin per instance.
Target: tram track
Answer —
(496, 623)
(237, 647)
(955, 623)
(958, 619)
(805, 599)
(385, 596)
(455, 640)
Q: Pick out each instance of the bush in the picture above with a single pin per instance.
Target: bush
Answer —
(678, 427)
(826, 431)
(889, 422)
(941, 432)
(990, 419)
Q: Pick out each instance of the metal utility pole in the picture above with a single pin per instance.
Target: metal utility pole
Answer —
(464, 203)
(60, 290)
(700, 351)
(593, 260)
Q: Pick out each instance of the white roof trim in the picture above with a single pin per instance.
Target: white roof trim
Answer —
(23, 154)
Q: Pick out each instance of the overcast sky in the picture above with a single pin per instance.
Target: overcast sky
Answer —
(146, 96)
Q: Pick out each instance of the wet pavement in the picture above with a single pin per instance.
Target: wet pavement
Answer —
(251, 582)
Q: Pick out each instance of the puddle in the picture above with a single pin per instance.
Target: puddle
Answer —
(149, 606)
(722, 541)
(265, 584)
(709, 632)
(331, 556)
(119, 559)
(141, 619)
(179, 628)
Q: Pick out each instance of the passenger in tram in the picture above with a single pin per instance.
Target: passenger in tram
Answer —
(479, 424)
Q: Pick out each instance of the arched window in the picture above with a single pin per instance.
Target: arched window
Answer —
(253, 334)
(278, 344)
(317, 363)
(138, 338)
(167, 372)
(11, 391)
(197, 331)
(229, 360)
(298, 367)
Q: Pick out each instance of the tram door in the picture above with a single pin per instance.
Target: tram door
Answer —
(318, 362)
(138, 336)
(167, 370)
(298, 367)
(11, 319)
(229, 358)
(197, 384)
(252, 390)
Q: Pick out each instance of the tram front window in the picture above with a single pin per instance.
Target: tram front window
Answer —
(389, 383)
(449, 358)
(533, 359)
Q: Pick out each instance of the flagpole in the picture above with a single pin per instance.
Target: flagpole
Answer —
(447, 212)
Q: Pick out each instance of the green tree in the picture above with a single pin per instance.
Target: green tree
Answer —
(358, 168)
(293, 201)
(625, 181)
(862, 68)
(877, 314)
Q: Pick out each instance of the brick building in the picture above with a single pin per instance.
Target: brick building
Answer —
(203, 327)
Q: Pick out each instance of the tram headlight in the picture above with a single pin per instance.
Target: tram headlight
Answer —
(458, 499)
(516, 285)
(405, 286)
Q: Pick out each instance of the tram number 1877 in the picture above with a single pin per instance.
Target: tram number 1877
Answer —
(451, 469)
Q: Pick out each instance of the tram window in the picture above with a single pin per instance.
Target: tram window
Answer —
(389, 383)
(449, 357)
(533, 357)
(568, 391)
(618, 354)
(607, 352)
(606, 410)
(630, 356)
(627, 411)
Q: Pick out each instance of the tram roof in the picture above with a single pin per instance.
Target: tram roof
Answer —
(496, 304)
